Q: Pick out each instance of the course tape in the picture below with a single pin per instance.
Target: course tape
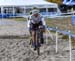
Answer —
(61, 31)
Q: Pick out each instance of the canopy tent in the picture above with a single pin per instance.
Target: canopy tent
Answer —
(68, 6)
(69, 2)
(25, 5)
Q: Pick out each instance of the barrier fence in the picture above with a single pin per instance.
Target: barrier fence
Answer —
(65, 33)
(58, 29)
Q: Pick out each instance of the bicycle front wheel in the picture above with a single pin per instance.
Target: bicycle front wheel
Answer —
(38, 42)
(38, 50)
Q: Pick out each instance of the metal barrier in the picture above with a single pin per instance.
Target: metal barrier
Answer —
(65, 33)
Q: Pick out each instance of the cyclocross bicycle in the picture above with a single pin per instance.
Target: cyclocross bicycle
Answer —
(38, 39)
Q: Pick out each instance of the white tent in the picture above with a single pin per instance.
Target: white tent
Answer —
(26, 4)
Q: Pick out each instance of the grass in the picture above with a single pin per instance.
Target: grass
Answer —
(73, 41)
(19, 19)
(65, 37)
(53, 31)
(61, 23)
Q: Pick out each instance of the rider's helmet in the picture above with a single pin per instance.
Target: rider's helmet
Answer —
(35, 10)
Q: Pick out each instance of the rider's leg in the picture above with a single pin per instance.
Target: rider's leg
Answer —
(34, 38)
(30, 37)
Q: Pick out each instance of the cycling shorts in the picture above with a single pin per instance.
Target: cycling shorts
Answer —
(35, 26)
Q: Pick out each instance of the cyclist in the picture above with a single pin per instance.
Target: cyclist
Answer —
(35, 20)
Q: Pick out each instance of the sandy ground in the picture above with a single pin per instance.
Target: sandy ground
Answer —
(11, 27)
(18, 49)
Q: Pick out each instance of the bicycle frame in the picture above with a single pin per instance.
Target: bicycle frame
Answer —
(38, 32)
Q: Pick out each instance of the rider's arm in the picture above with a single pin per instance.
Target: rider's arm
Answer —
(43, 22)
(28, 23)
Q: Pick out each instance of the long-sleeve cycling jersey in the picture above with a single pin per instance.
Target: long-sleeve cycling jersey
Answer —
(34, 20)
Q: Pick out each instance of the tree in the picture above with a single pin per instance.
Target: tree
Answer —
(56, 1)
